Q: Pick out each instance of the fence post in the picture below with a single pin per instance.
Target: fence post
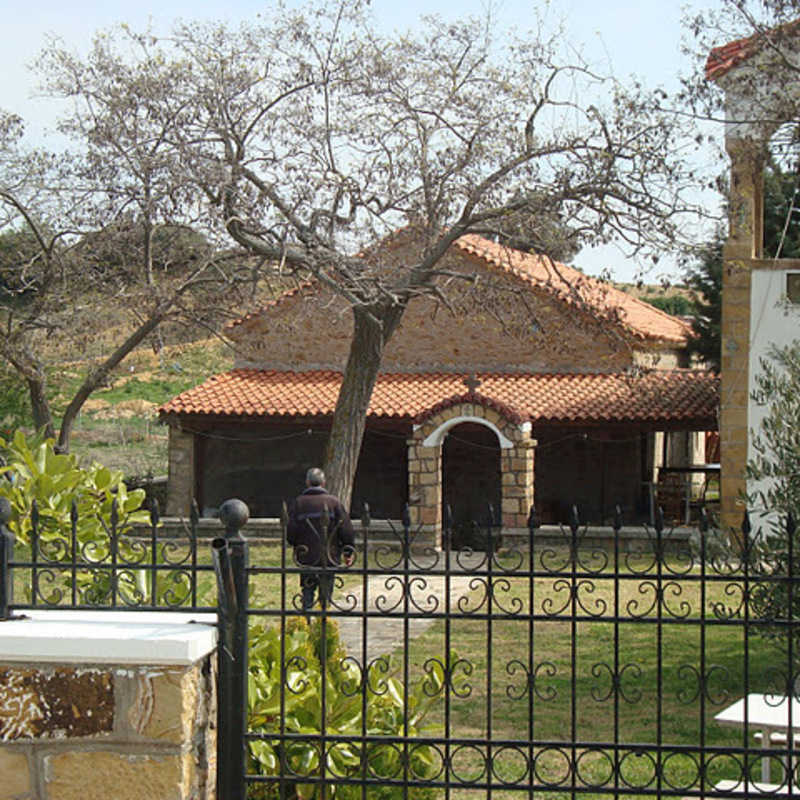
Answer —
(230, 563)
(6, 555)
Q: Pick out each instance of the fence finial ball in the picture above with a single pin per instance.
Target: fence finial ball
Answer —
(234, 514)
(5, 510)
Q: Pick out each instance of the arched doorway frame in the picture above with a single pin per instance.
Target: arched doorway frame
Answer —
(425, 463)
(436, 438)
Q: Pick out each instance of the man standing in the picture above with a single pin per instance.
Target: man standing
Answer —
(315, 549)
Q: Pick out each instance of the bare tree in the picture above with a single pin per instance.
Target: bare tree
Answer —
(116, 191)
(316, 137)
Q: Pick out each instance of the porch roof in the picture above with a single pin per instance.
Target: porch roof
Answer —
(668, 396)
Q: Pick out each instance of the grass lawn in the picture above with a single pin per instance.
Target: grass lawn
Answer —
(616, 665)
(118, 426)
(575, 697)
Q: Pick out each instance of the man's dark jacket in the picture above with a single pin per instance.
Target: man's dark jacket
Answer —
(311, 547)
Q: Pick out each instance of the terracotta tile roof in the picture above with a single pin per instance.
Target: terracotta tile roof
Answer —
(725, 57)
(560, 281)
(576, 289)
(658, 395)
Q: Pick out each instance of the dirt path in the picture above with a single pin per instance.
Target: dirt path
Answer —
(387, 596)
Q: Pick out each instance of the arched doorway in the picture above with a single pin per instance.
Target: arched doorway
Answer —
(471, 472)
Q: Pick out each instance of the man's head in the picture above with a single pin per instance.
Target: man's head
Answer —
(315, 477)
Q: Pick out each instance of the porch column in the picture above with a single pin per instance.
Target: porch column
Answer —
(425, 485)
(517, 466)
(180, 483)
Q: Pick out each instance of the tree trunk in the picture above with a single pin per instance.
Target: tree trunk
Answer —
(34, 376)
(40, 407)
(372, 330)
(97, 376)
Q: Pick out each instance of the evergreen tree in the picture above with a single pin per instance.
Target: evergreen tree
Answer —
(705, 278)
(781, 213)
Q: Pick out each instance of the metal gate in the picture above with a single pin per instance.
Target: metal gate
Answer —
(542, 664)
(652, 665)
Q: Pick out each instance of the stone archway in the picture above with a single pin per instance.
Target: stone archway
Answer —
(515, 455)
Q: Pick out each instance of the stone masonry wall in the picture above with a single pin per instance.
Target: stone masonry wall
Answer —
(180, 486)
(107, 732)
(744, 243)
(493, 324)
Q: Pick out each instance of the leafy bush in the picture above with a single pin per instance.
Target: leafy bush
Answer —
(14, 403)
(66, 494)
(345, 698)
(776, 467)
(35, 472)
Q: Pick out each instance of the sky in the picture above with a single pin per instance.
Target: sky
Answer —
(639, 38)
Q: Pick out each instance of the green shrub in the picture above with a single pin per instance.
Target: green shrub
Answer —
(345, 698)
(34, 472)
(14, 403)
(773, 475)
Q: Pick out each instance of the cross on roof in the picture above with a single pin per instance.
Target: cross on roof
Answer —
(472, 382)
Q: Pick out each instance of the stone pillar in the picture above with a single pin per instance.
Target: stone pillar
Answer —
(517, 467)
(103, 706)
(425, 486)
(745, 242)
(181, 481)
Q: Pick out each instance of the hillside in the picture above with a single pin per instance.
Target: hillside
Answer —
(118, 425)
(674, 299)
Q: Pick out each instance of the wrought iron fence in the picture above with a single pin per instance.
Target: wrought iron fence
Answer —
(510, 668)
(510, 671)
(102, 563)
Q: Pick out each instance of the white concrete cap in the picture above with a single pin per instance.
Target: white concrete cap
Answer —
(108, 637)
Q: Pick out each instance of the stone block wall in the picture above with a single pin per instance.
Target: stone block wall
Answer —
(104, 732)
(180, 486)
(745, 240)
(517, 467)
(734, 430)
(485, 327)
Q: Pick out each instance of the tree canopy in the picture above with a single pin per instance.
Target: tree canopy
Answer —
(316, 137)
(103, 243)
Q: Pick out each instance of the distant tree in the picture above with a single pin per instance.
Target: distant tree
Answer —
(91, 239)
(705, 279)
(781, 238)
(677, 304)
(781, 212)
(113, 251)
(16, 246)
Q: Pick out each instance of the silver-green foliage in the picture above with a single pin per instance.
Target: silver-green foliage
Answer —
(775, 465)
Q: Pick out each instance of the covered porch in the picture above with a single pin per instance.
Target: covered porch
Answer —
(509, 440)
